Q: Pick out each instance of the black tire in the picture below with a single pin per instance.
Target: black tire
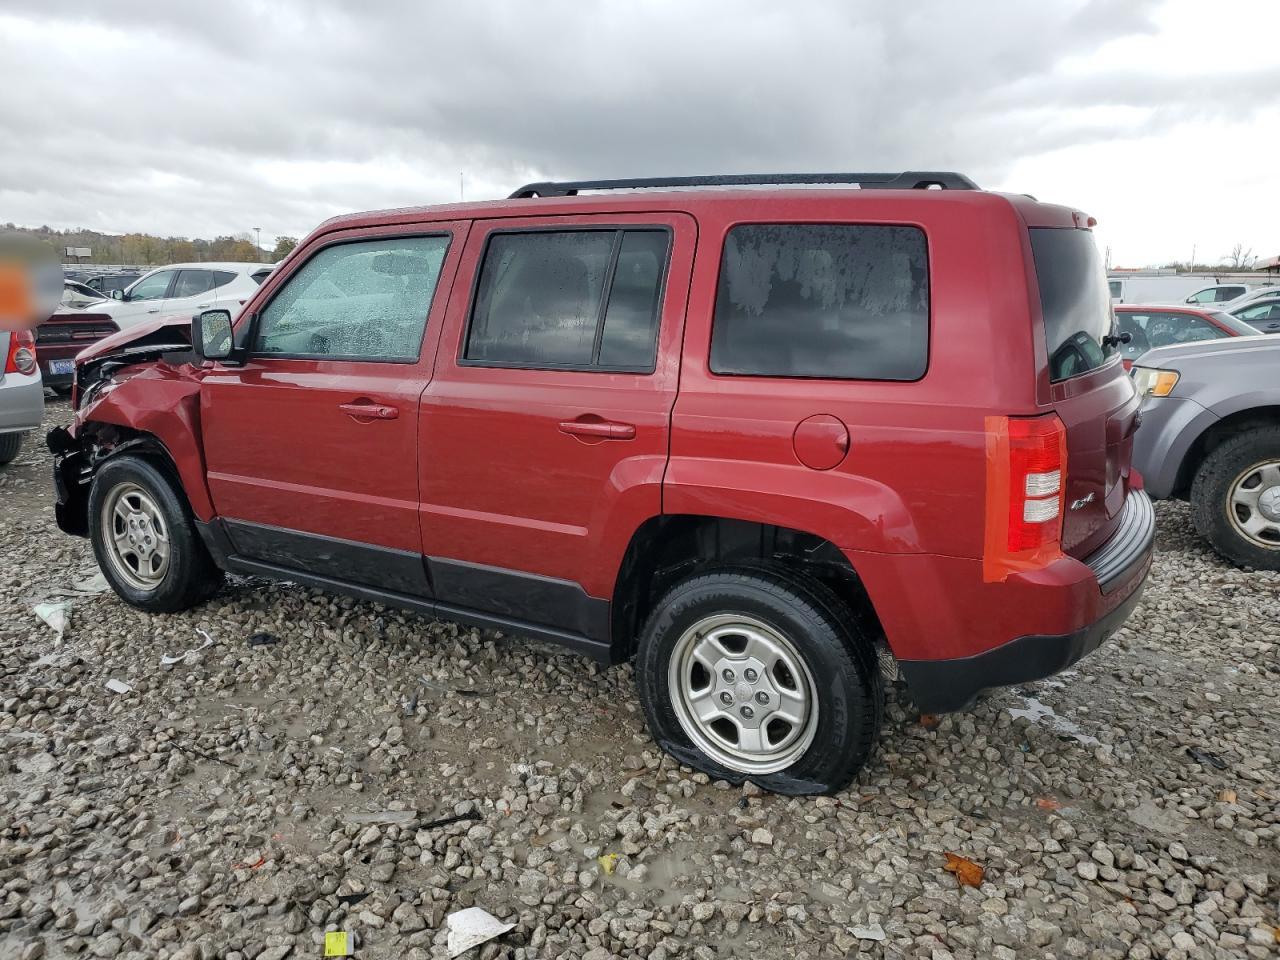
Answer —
(192, 577)
(1210, 496)
(10, 444)
(842, 662)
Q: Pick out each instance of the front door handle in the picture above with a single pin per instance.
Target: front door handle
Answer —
(598, 429)
(364, 410)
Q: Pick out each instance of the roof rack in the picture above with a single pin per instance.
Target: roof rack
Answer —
(910, 180)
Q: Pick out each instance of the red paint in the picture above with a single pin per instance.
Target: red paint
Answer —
(552, 472)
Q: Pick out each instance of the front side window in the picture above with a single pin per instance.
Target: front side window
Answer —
(153, 287)
(1263, 311)
(1205, 296)
(587, 299)
(365, 300)
(838, 301)
(1075, 302)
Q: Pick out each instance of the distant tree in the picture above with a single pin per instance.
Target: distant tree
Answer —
(284, 246)
(1241, 257)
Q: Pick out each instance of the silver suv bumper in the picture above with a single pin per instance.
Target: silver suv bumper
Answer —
(21, 402)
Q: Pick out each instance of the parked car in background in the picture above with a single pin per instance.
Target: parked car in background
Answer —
(105, 283)
(61, 337)
(1211, 435)
(21, 392)
(77, 296)
(1268, 289)
(185, 288)
(1262, 314)
(1218, 293)
(1149, 327)
(472, 411)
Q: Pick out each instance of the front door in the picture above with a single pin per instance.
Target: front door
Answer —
(311, 445)
(544, 430)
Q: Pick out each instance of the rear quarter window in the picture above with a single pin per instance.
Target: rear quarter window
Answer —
(1075, 301)
(832, 301)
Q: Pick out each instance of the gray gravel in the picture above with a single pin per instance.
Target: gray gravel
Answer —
(245, 800)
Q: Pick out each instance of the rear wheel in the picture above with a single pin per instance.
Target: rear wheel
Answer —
(10, 444)
(1235, 498)
(145, 538)
(760, 675)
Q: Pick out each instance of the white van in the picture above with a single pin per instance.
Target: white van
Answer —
(1169, 289)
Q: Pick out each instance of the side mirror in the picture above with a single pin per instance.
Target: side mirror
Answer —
(211, 335)
(117, 294)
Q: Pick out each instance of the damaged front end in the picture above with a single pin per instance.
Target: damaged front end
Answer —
(130, 390)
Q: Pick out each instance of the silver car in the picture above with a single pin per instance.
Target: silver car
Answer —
(1210, 434)
(21, 391)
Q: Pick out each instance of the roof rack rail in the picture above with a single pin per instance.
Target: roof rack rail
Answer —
(910, 180)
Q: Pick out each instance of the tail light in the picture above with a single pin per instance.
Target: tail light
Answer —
(22, 353)
(1026, 473)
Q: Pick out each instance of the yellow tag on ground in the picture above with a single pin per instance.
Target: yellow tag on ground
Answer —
(608, 863)
(335, 944)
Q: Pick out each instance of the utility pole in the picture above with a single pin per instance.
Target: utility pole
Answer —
(1192, 266)
(461, 193)
(258, 231)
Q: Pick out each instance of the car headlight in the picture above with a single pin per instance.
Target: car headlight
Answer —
(1150, 380)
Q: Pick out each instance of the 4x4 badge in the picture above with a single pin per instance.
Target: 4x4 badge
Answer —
(1077, 504)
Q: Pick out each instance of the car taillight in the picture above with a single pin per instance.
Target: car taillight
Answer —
(22, 353)
(1026, 470)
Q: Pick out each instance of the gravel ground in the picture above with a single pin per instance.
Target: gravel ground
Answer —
(246, 799)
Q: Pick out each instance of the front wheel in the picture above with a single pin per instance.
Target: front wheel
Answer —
(753, 674)
(145, 538)
(1235, 498)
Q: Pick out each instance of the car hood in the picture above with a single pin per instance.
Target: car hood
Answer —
(1172, 355)
(150, 330)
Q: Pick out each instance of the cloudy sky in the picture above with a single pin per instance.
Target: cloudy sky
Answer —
(1160, 117)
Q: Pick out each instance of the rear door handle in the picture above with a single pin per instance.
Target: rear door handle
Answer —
(369, 411)
(598, 429)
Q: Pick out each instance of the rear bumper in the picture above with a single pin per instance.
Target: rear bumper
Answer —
(1119, 571)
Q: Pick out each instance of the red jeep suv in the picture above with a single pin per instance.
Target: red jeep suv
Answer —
(754, 439)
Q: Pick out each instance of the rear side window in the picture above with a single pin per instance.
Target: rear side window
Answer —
(835, 301)
(192, 283)
(1150, 330)
(1074, 299)
(222, 277)
(585, 299)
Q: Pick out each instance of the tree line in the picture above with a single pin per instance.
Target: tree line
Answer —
(144, 249)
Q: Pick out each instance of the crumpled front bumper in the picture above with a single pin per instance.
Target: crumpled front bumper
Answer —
(71, 476)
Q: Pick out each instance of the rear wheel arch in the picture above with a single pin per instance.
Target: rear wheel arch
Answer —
(667, 548)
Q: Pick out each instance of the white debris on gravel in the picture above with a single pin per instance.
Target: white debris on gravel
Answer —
(242, 803)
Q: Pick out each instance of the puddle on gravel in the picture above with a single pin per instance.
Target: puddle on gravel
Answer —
(1043, 715)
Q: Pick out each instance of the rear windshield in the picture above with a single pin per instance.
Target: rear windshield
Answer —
(1074, 299)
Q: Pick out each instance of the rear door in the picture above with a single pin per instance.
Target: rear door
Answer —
(312, 444)
(544, 430)
(192, 290)
(1088, 387)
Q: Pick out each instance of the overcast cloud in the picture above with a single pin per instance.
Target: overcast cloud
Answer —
(1160, 118)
